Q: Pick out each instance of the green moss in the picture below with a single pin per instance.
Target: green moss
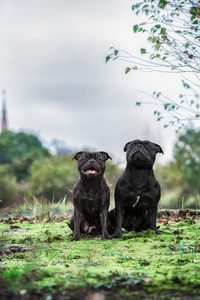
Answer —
(42, 257)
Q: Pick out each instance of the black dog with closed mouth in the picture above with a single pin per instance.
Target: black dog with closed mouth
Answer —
(91, 196)
(137, 191)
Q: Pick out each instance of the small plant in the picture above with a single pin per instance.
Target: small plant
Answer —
(51, 257)
(196, 241)
(122, 280)
(14, 274)
(40, 209)
(184, 203)
(107, 246)
(61, 206)
(124, 258)
(181, 247)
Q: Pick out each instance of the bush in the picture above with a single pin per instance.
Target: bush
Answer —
(9, 189)
(18, 151)
(54, 178)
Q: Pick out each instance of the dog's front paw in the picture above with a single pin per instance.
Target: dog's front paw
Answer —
(106, 237)
(157, 232)
(75, 238)
(117, 235)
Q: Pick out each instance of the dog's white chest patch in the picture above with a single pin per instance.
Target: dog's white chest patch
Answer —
(138, 198)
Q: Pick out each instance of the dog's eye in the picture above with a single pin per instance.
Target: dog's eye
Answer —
(147, 145)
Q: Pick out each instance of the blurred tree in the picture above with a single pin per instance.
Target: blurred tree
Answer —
(112, 174)
(181, 177)
(18, 151)
(58, 147)
(54, 179)
(187, 160)
(9, 189)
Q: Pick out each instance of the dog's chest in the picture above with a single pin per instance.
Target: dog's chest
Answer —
(91, 204)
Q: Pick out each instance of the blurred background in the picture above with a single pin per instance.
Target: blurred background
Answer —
(59, 96)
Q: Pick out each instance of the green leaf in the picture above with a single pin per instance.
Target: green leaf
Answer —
(143, 51)
(185, 85)
(135, 28)
(162, 3)
(158, 46)
(155, 39)
(187, 45)
(158, 94)
(138, 104)
(116, 52)
(108, 58)
(163, 30)
(127, 70)
(159, 119)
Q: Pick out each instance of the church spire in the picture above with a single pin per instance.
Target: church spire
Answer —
(4, 126)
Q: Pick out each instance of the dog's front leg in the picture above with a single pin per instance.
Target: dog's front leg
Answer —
(152, 213)
(77, 222)
(104, 222)
(119, 213)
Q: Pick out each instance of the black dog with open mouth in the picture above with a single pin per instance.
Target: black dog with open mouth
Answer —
(91, 196)
(137, 191)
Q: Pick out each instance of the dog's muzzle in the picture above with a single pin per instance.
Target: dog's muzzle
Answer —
(140, 154)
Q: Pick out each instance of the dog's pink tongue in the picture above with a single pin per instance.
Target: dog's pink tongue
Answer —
(91, 171)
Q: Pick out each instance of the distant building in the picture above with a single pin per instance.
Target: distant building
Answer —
(4, 125)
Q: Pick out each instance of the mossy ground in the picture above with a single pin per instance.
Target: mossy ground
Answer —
(38, 258)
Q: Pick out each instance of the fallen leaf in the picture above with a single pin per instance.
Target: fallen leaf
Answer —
(188, 215)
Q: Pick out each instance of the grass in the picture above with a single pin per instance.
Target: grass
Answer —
(38, 209)
(40, 257)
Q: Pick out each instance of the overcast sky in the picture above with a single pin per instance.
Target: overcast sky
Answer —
(52, 59)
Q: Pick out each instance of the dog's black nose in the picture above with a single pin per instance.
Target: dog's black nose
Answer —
(91, 161)
(139, 146)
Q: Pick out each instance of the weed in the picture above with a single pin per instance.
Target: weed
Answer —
(196, 241)
(14, 274)
(179, 247)
(107, 246)
(61, 206)
(121, 280)
(112, 253)
(50, 257)
(40, 209)
(124, 258)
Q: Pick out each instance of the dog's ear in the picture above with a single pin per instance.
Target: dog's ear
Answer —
(78, 155)
(105, 155)
(158, 149)
(126, 146)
